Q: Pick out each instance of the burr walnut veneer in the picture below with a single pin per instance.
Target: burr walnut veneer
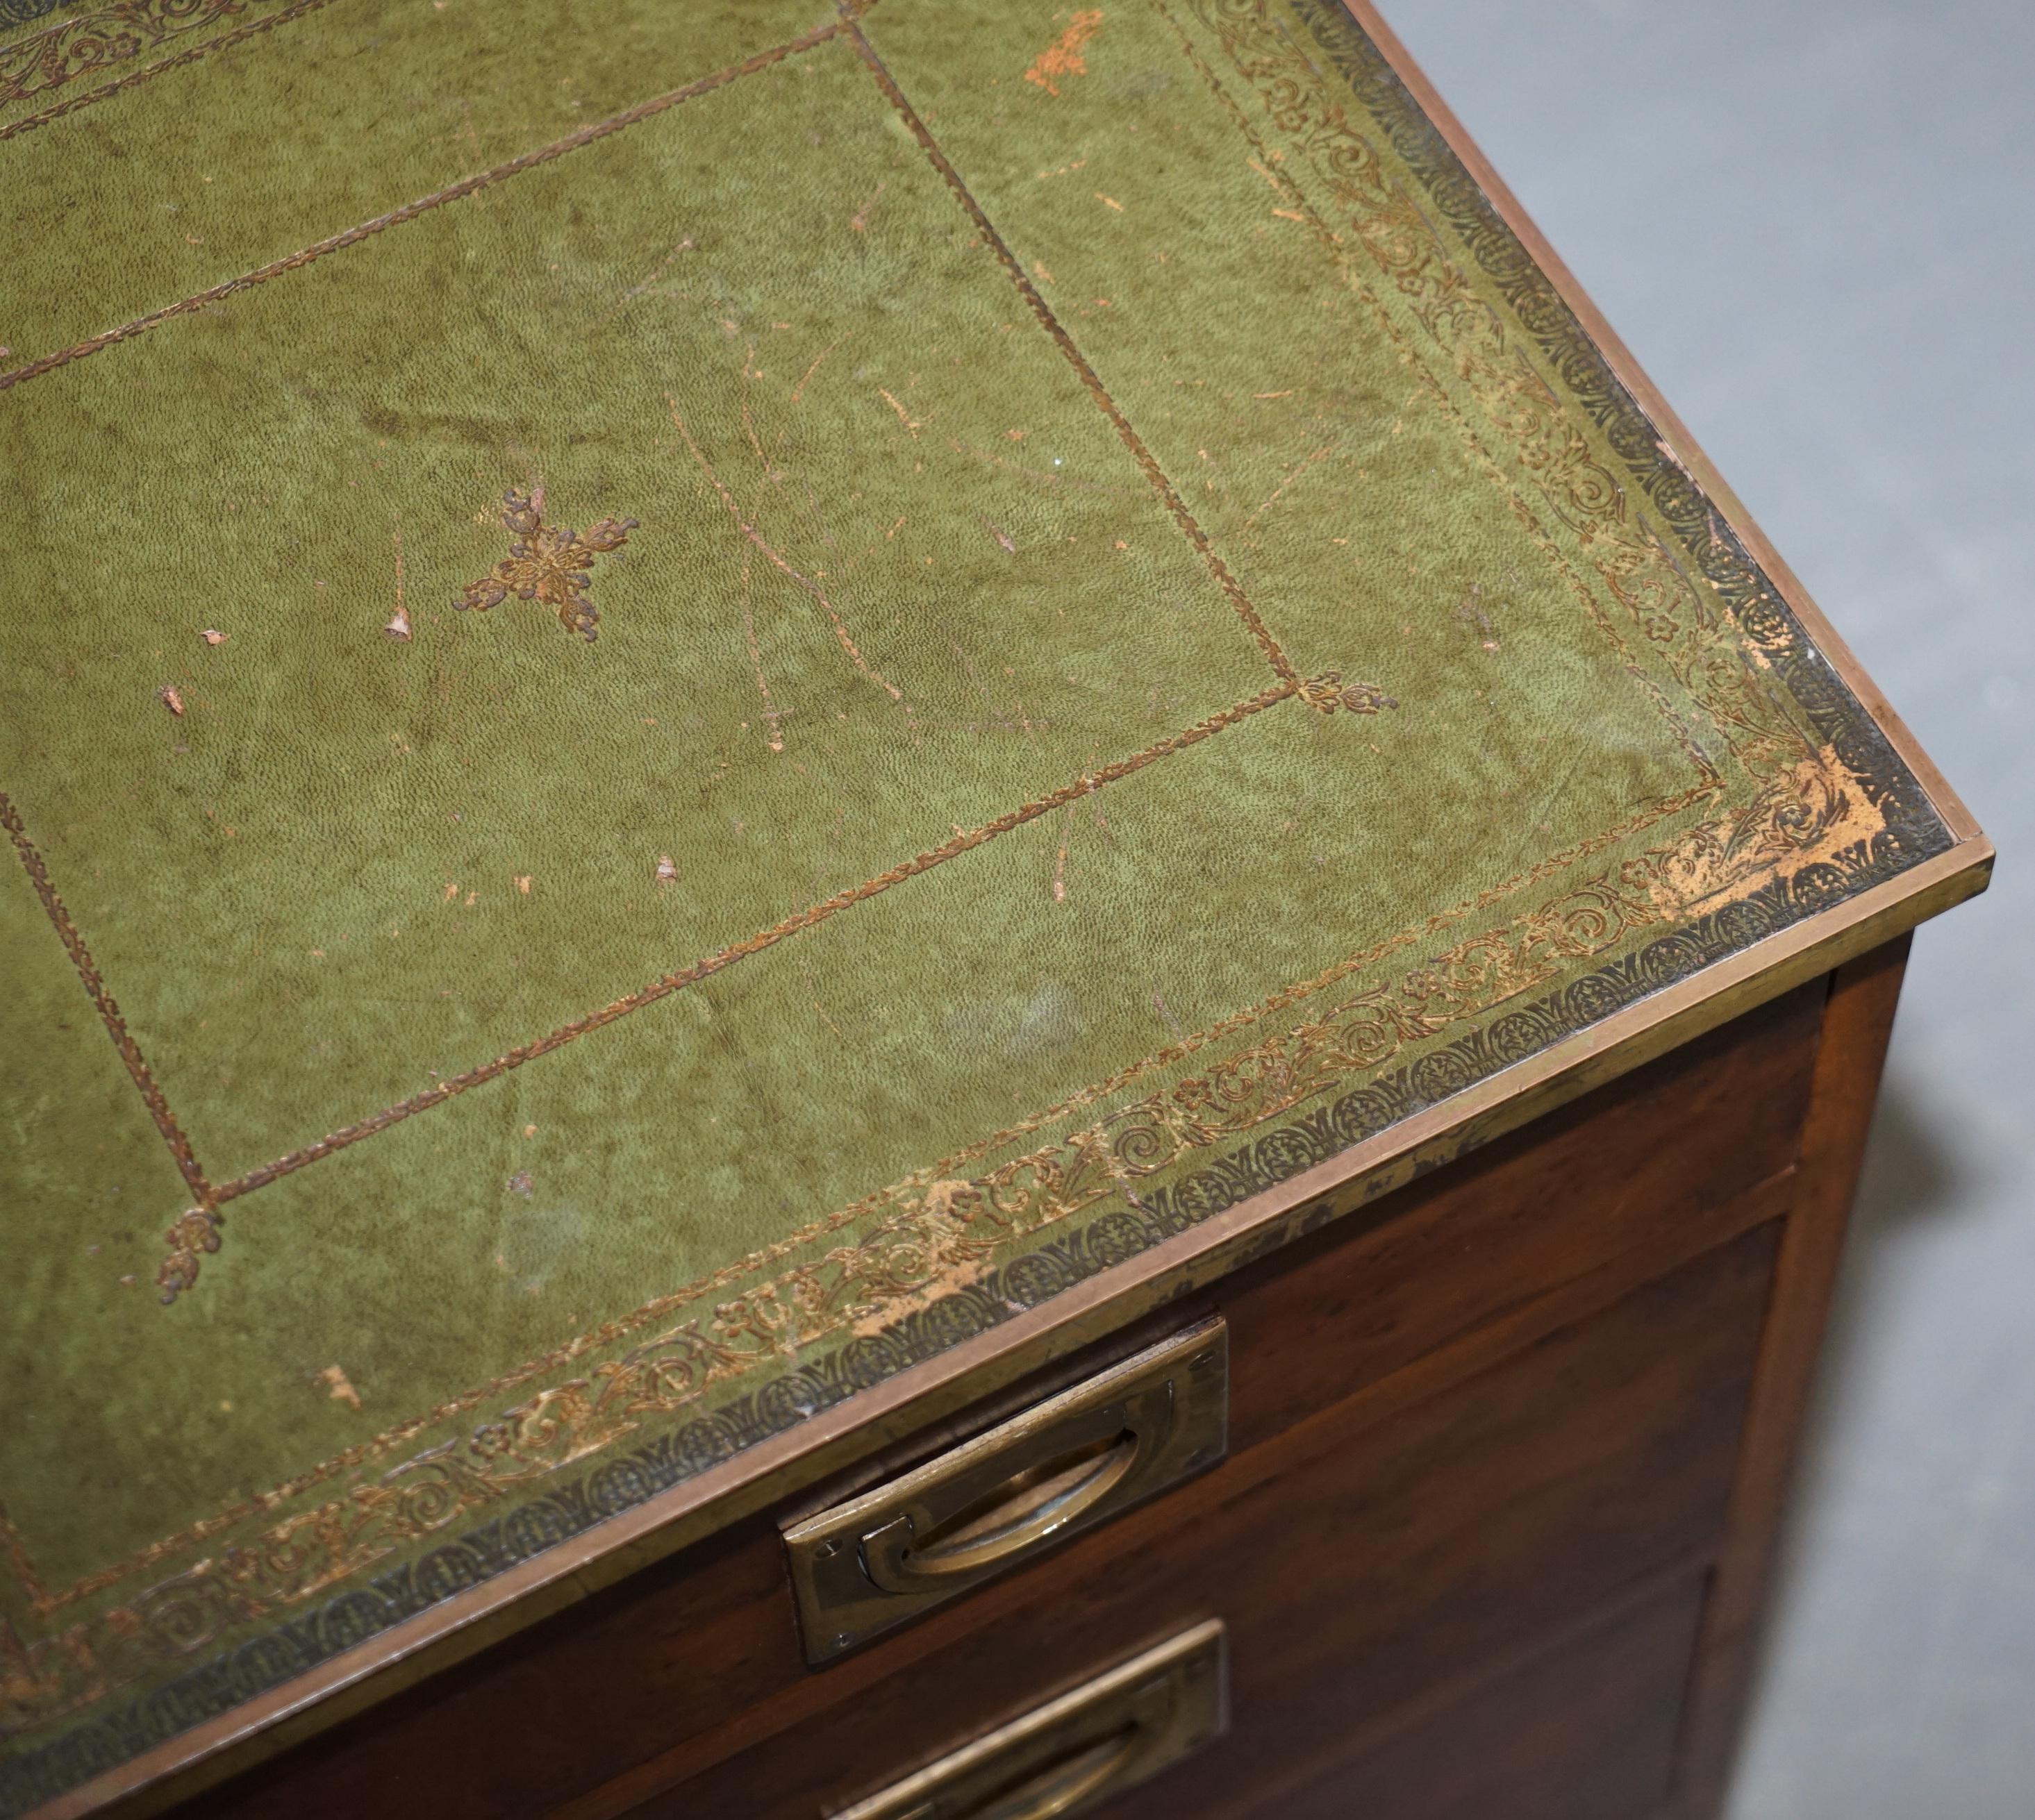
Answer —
(913, 913)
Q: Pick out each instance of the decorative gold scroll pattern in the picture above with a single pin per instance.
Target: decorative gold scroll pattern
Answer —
(546, 562)
(935, 1240)
(1715, 658)
(195, 1233)
(59, 55)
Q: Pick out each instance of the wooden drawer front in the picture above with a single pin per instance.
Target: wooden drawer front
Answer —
(668, 1664)
(1644, 1160)
(1358, 1566)
(1585, 1731)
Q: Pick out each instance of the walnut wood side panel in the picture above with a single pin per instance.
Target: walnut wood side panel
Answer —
(1356, 1569)
(685, 1649)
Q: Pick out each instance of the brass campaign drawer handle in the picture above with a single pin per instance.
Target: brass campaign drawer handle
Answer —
(1030, 1508)
(1073, 1461)
(1062, 1758)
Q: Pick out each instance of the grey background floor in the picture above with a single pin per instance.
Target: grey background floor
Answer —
(1813, 223)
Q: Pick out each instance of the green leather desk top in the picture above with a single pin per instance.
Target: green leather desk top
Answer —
(709, 693)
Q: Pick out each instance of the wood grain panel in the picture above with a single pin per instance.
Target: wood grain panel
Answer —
(1585, 1731)
(1364, 1568)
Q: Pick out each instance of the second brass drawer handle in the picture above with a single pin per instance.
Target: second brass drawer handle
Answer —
(1074, 1460)
(1062, 1758)
(1066, 1787)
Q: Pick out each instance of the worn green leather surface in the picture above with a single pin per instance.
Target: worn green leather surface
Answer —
(1148, 647)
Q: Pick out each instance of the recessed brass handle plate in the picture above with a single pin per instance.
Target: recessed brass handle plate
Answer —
(1067, 1757)
(1070, 1462)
